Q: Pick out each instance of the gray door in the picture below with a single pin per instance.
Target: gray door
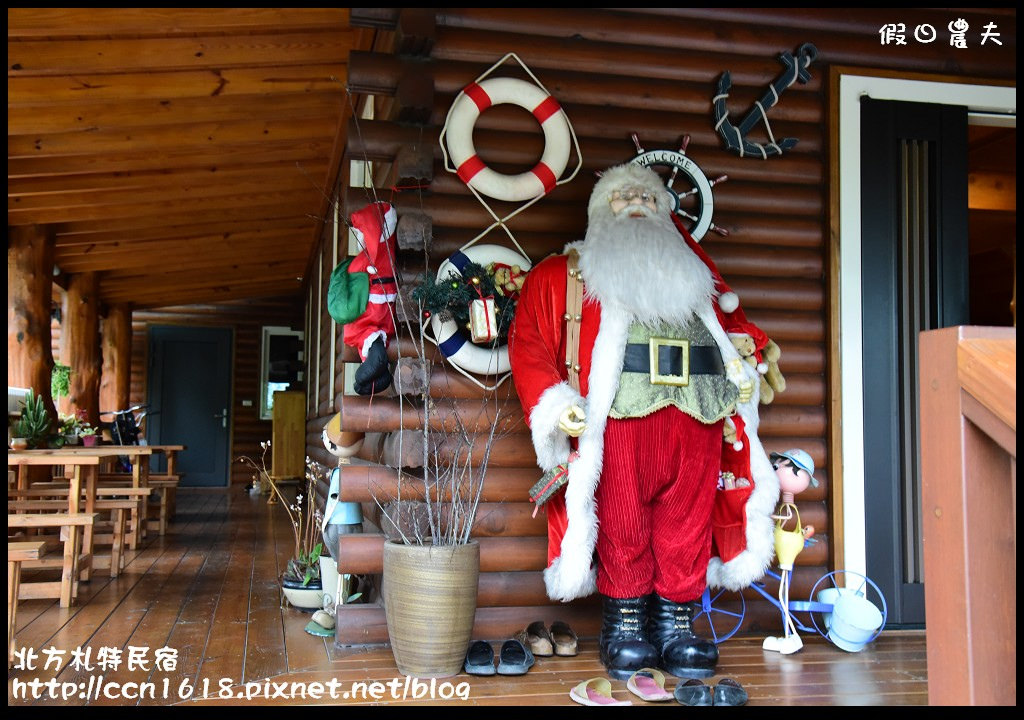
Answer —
(914, 265)
(189, 399)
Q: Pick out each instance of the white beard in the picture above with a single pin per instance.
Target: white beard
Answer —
(643, 267)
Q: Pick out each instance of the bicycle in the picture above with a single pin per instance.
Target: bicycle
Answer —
(125, 429)
(720, 621)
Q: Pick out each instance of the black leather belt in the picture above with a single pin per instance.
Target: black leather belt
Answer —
(671, 354)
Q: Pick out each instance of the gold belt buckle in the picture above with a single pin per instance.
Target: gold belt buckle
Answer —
(654, 344)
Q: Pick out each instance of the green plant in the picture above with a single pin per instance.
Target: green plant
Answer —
(87, 429)
(304, 565)
(60, 381)
(34, 423)
(73, 424)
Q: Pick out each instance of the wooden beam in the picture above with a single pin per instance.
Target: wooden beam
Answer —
(80, 344)
(29, 293)
(116, 341)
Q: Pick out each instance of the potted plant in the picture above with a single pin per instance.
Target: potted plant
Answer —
(34, 423)
(88, 435)
(300, 582)
(71, 427)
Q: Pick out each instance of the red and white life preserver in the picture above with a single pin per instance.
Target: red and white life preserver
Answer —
(477, 97)
(454, 341)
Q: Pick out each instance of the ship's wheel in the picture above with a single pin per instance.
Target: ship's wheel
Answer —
(687, 184)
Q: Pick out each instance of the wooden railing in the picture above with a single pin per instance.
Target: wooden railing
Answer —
(969, 490)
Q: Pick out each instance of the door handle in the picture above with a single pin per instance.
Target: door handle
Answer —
(223, 415)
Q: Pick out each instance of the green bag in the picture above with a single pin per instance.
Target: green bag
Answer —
(348, 293)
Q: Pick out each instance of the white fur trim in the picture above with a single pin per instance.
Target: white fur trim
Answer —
(549, 442)
(572, 576)
(762, 368)
(728, 301)
(737, 446)
(752, 562)
(370, 339)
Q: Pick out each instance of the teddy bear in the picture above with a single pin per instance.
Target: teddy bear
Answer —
(765, 359)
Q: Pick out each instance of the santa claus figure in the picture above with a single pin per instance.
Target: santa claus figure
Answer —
(374, 229)
(641, 408)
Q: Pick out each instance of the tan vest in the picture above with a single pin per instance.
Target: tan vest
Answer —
(706, 397)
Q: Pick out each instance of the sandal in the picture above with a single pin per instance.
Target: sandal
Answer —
(564, 638)
(537, 638)
(595, 691)
(693, 692)
(648, 684)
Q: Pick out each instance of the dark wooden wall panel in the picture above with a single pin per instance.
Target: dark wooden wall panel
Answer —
(653, 72)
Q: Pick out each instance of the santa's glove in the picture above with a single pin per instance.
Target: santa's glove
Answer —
(772, 375)
(734, 371)
(572, 421)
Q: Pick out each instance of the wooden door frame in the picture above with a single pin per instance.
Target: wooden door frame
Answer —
(845, 375)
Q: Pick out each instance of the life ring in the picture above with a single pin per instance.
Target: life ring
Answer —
(477, 97)
(452, 340)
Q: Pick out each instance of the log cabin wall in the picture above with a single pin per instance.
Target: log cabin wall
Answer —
(247, 319)
(650, 72)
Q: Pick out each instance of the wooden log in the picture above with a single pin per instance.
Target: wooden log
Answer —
(116, 350)
(446, 415)
(404, 448)
(415, 229)
(415, 32)
(363, 554)
(414, 97)
(363, 482)
(29, 293)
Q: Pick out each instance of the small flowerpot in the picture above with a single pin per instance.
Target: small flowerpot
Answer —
(19, 443)
(308, 598)
(89, 440)
(71, 439)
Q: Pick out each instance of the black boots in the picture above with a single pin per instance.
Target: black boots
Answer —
(683, 654)
(373, 375)
(625, 647)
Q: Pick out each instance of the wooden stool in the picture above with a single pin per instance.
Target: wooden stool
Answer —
(17, 552)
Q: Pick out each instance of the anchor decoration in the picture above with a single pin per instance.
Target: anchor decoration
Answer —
(736, 137)
(702, 204)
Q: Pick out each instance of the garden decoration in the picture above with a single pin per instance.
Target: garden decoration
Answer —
(695, 204)
(795, 470)
(736, 137)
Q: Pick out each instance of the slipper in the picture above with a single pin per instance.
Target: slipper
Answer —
(648, 684)
(537, 638)
(730, 693)
(693, 692)
(564, 638)
(318, 630)
(479, 659)
(514, 659)
(596, 691)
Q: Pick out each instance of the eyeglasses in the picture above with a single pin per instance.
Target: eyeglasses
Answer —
(629, 195)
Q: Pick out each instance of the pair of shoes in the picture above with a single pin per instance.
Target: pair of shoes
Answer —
(514, 658)
(648, 684)
(727, 693)
(595, 692)
(561, 640)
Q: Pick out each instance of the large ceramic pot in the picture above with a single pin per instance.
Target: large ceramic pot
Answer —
(309, 598)
(430, 603)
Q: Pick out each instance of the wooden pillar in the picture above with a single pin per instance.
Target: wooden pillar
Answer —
(116, 344)
(29, 293)
(80, 344)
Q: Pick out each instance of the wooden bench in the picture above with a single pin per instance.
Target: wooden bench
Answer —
(17, 553)
(71, 527)
(165, 487)
(110, 532)
(138, 498)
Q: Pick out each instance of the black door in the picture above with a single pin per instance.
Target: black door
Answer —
(189, 399)
(915, 270)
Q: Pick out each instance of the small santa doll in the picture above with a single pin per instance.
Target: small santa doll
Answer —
(362, 293)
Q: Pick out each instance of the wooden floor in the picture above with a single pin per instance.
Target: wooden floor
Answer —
(208, 591)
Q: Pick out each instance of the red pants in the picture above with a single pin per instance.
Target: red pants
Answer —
(654, 505)
(376, 318)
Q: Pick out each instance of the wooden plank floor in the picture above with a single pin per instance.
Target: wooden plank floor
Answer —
(208, 591)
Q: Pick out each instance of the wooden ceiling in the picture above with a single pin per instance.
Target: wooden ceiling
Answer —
(184, 155)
